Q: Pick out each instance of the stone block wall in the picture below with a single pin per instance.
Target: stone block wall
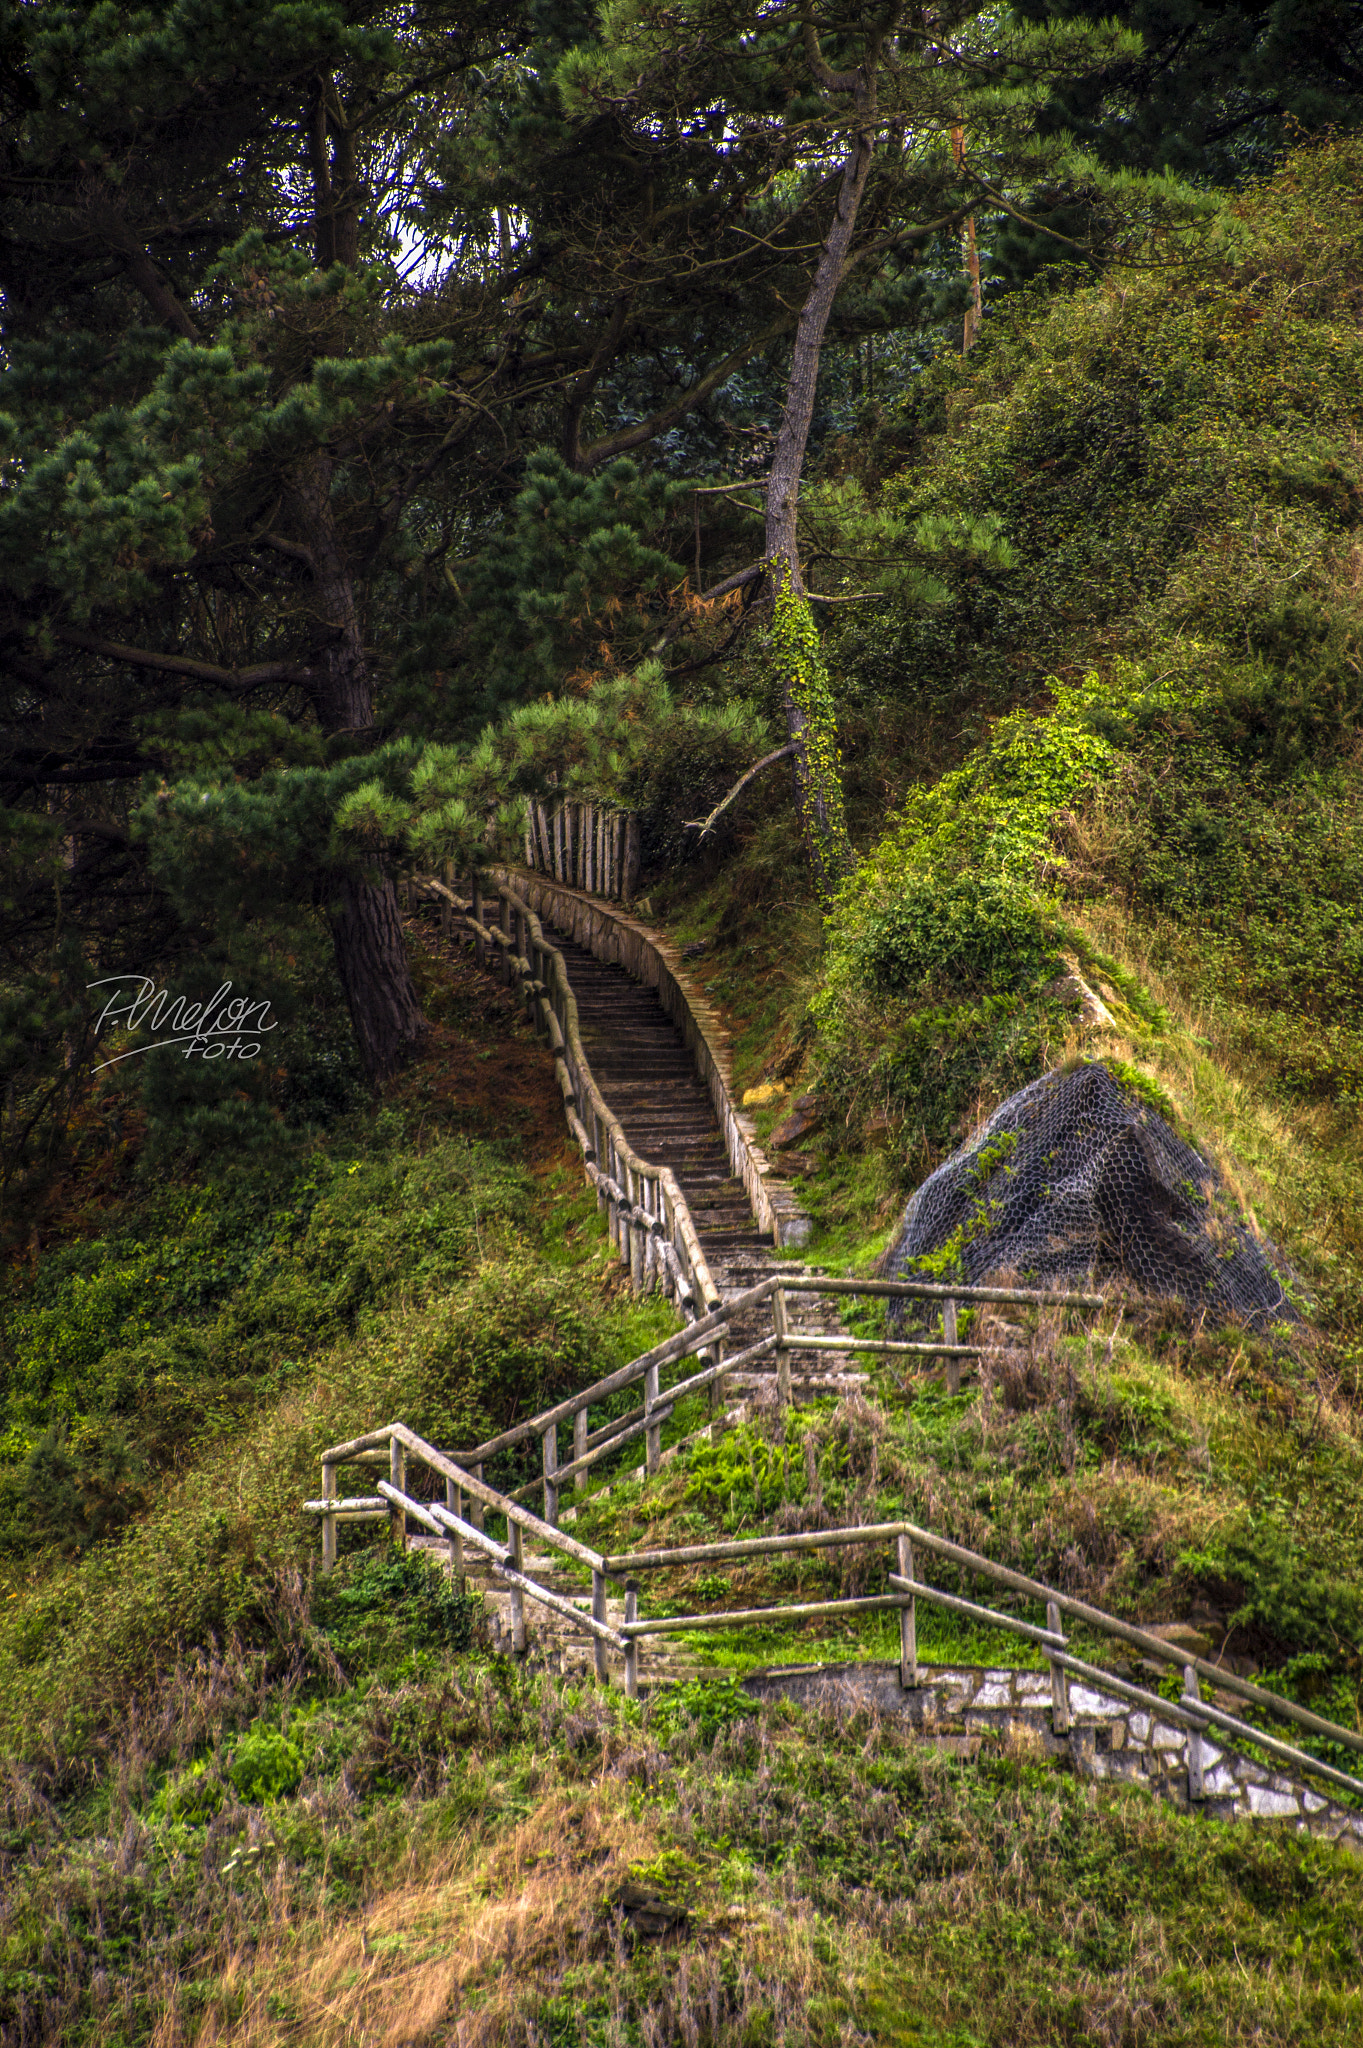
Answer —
(1108, 1738)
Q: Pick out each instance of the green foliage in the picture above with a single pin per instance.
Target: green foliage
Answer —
(71, 1496)
(192, 1796)
(625, 740)
(170, 1327)
(799, 668)
(980, 931)
(264, 1766)
(942, 947)
(745, 1475)
(376, 1609)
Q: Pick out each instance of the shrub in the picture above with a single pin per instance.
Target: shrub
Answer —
(265, 1766)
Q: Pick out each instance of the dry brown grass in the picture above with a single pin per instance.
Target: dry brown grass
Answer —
(449, 1946)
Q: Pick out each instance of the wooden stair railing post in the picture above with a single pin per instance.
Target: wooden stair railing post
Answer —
(636, 1236)
(653, 1438)
(949, 1337)
(1192, 1691)
(476, 1506)
(328, 1521)
(778, 1324)
(652, 1280)
(632, 857)
(908, 1621)
(1060, 1689)
(516, 1545)
(580, 1448)
(631, 1642)
(454, 1547)
(598, 1614)
(549, 1443)
(397, 1477)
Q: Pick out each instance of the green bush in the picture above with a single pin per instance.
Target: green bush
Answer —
(974, 931)
(265, 1766)
(377, 1608)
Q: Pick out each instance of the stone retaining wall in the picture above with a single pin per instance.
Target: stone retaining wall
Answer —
(961, 1706)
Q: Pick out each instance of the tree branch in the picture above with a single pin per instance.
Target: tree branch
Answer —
(767, 760)
(110, 225)
(646, 430)
(182, 665)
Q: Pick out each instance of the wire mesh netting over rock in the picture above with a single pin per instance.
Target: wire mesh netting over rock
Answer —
(1076, 1178)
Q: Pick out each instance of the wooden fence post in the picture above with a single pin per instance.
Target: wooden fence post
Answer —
(1193, 1691)
(715, 1352)
(550, 1443)
(599, 1614)
(653, 1438)
(328, 1521)
(631, 1642)
(1060, 1691)
(580, 1448)
(454, 1501)
(778, 1324)
(517, 1547)
(632, 857)
(949, 1337)
(476, 1506)
(908, 1621)
(397, 1477)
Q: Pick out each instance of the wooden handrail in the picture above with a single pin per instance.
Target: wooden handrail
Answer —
(620, 1174)
(904, 1588)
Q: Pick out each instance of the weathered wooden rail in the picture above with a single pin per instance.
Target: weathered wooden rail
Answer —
(585, 845)
(706, 1337)
(906, 1585)
(650, 1223)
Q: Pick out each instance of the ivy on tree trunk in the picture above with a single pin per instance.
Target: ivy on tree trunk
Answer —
(810, 721)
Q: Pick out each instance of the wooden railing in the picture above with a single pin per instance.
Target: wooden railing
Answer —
(905, 1587)
(587, 845)
(591, 1447)
(650, 1224)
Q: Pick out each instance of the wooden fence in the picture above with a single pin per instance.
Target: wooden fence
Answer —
(587, 845)
(650, 1223)
(906, 1585)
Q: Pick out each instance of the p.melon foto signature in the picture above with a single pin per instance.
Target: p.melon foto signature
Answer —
(225, 1027)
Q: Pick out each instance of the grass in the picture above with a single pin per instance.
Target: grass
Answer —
(473, 1856)
(241, 1806)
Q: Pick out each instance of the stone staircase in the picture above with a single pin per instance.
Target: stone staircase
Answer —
(644, 1069)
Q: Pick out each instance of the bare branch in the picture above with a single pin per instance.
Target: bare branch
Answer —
(183, 665)
(781, 753)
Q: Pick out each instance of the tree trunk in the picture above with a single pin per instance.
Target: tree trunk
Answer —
(974, 312)
(815, 763)
(366, 930)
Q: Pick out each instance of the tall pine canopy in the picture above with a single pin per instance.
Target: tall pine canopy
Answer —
(359, 372)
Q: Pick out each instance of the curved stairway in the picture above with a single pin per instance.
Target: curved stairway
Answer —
(646, 1073)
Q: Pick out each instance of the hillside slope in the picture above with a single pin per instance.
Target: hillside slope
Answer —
(1120, 741)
